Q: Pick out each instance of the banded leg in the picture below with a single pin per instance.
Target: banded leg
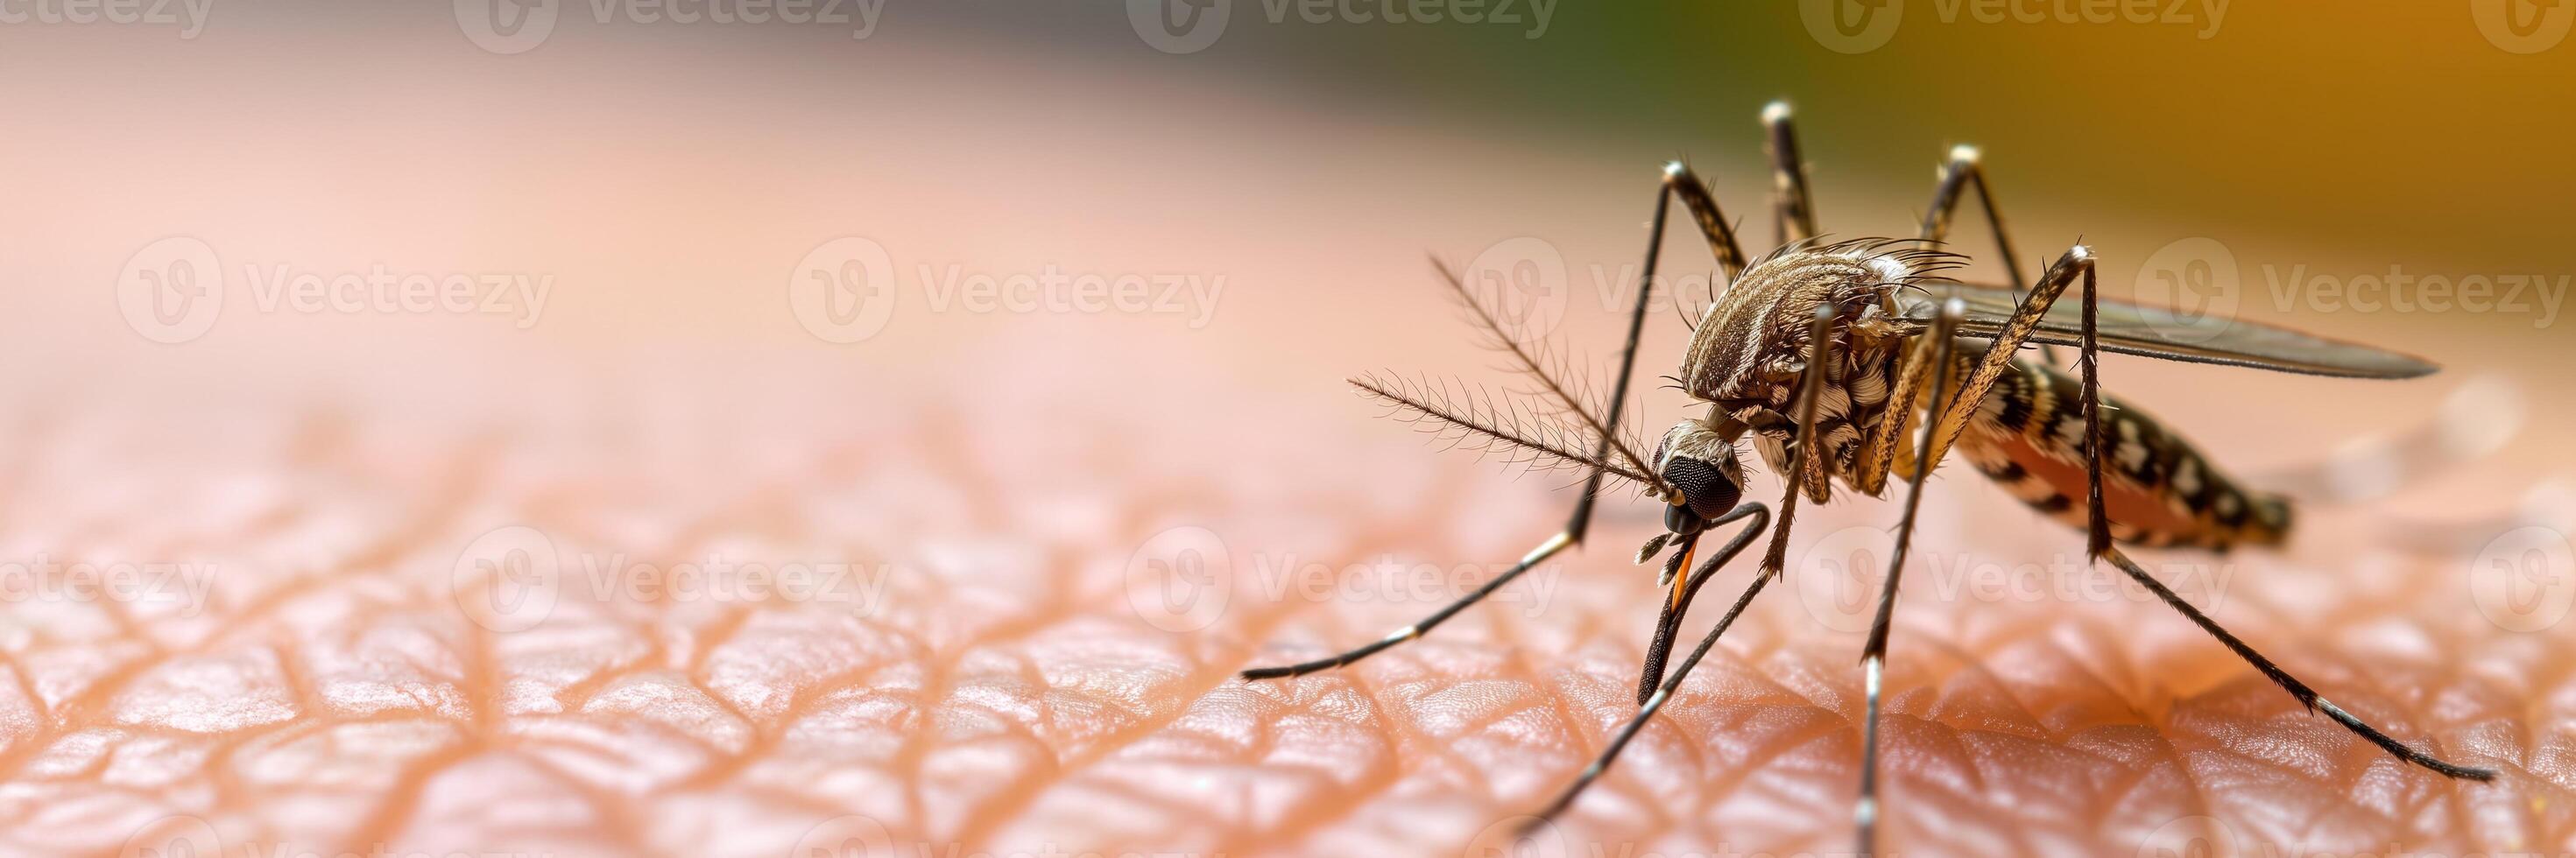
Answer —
(1819, 341)
(2306, 696)
(2101, 549)
(1794, 214)
(1873, 657)
(2016, 331)
(1963, 173)
(1712, 222)
(2078, 263)
(1646, 710)
(1809, 465)
(1577, 523)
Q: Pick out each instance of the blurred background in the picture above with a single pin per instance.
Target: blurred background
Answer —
(694, 237)
(661, 185)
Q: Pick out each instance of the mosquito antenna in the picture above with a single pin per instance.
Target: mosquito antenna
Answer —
(1529, 362)
(1474, 420)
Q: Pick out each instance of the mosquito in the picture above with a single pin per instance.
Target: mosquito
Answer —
(1819, 356)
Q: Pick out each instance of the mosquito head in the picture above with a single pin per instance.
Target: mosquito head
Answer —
(1701, 465)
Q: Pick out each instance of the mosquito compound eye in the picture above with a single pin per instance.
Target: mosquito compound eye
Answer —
(1707, 489)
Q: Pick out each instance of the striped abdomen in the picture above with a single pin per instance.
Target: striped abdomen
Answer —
(2029, 438)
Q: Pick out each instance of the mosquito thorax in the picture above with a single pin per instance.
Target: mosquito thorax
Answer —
(1749, 349)
(1748, 355)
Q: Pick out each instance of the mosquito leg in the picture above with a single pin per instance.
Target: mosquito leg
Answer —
(2306, 696)
(1670, 625)
(1576, 524)
(1537, 555)
(2097, 518)
(1963, 173)
(1808, 464)
(1819, 348)
(1703, 211)
(1581, 520)
(1627, 731)
(1881, 450)
(1873, 657)
(1796, 217)
(2099, 539)
(2076, 264)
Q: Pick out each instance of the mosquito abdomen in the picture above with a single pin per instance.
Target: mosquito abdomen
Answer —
(2029, 438)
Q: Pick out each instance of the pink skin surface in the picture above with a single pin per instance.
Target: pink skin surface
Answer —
(1012, 665)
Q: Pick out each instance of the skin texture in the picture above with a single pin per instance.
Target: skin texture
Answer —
(1022, 497)
(1012, 679)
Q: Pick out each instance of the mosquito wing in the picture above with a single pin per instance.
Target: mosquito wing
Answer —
(2156, 332)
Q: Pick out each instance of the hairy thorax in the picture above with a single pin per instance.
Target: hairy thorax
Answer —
(1748, 355)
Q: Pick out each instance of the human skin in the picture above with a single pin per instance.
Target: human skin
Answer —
(996, 675)
(355, 661)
